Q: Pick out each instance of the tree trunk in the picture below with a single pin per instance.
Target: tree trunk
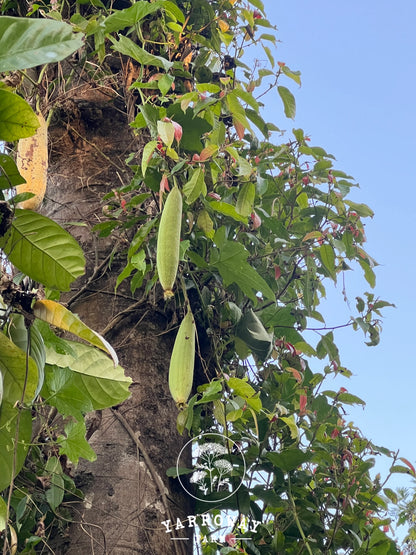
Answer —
(127, 492)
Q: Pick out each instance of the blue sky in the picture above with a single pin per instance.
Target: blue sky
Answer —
(357, 101)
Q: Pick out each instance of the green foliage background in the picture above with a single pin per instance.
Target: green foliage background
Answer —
(268, 224)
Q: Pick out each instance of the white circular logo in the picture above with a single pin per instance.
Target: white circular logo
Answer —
(218, 467)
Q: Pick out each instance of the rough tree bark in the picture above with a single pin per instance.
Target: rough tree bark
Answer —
(127, 493)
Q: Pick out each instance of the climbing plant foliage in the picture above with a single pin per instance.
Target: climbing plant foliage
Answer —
(269, 223)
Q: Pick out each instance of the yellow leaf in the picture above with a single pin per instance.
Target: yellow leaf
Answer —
(223, 25)
(57, 315)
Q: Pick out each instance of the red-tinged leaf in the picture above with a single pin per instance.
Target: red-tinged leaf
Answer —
(255, 220)
(164, 184)
(163, 187)
(208, 152)
(334, 433)
(231, 539)
(177, 131)
(409, 464)
(277, 272)
(239, 127)
(312, 235)
(296, 374)
(303, 400)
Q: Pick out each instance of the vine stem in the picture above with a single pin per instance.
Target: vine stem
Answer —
(295, 515)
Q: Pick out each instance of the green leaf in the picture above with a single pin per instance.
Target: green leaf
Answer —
(57, 315)
(147, 155)
(129, 48)
(166, 132)
(9, 418)
(43, 250)
(236, 109)
(295, 75)
(193, 127)
(205, 223)
(350, 399)
(327, 347)
(172, 9)
(26, 43)
(248, 98)
(3, 514)
(290, 459)
(227, 210)
(195, 186)
(245, 199)
(392, 495)
(74, 445)
(19, 335)
(210, 392)
(13, 368)
(140, 236)
(253, 333)
(9, 174)
(84, 382)
(17, 119)
(17, 386)
(291, 424)
(56, 490)
(327, 256)
(258, 121)
(234, 268)
(289, 102)
(369, 274)
(241, 387)
(399, 469)
(121, 19)
(361, 209)
(165, 83)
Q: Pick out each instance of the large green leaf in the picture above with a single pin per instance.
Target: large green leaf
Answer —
(289, 459)
(84, 382)
(253, 333)
(234, 268)
(73, 444)
(121, 19)
(245, 200)
(13, 368)
(19, 335)
(289, 102)
(327, 256)
(129, 48)
(8, 424)
(17, 119)
(26, 43)
(43, 250)
(195, 186)
(3, 514)
(9, 174)
(57, 315)
(17, 387)
(56, 490)
(193, 127)
(228, 210)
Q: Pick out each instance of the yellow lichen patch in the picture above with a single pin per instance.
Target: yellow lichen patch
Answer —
(32, 163)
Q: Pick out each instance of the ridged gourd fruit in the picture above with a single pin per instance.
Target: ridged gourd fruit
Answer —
(168, 241)
(181, 368)
(32, 163)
